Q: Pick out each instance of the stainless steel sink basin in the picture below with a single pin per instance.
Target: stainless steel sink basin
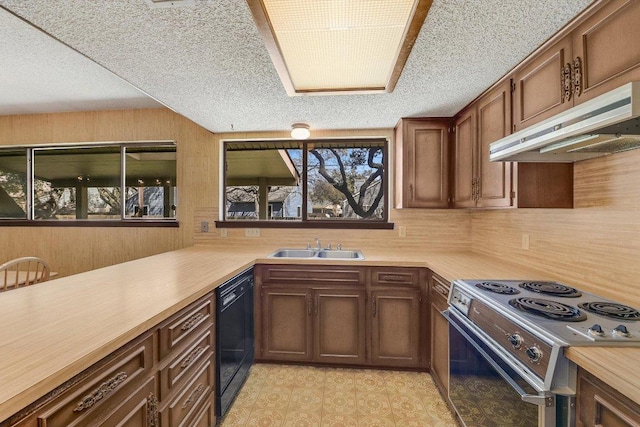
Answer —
(293, 253)
(317, 254)
(340, 254)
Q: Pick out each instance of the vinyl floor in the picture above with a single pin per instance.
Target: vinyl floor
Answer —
(301, 396)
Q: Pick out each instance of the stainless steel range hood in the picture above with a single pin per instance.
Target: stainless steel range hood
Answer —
(607, 124)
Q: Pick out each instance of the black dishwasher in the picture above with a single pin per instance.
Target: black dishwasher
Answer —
(234, 332)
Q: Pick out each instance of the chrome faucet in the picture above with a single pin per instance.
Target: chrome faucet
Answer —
(339, 246)
(328, 246)
(318, 245)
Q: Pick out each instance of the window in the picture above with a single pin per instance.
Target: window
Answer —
(13, 183)
(111, 181)
(321, 182)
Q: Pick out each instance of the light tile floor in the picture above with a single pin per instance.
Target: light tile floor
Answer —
(302, 396)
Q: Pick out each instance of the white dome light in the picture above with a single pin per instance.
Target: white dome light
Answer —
(300, 131)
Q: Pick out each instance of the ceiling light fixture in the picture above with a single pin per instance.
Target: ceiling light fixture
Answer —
(300, 131)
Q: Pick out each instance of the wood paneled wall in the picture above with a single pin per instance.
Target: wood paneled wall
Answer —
(595, 246)
(75, 249)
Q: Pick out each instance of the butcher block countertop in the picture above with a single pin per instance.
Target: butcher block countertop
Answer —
(54, 330)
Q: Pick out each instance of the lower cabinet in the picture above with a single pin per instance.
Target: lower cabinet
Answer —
(599, 405)
(339, 326)
(438, 292)
(395, 327)
(373, 322)
(320, 325)
(287, 323)
(163, 378)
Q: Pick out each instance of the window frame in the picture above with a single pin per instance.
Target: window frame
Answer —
(305, 222)
(123, 221)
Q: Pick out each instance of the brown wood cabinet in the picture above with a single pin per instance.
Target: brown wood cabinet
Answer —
(376, 322)
(596, 53)
(422, 159)
(598, 404)
(287, 323)
(464, 175)
(539, 91)
(340, 331)
(395, 327)
(478, 182)
(605, 49)
(438, 292)
(164, 378)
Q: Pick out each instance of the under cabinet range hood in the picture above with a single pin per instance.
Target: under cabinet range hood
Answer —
(607, 124)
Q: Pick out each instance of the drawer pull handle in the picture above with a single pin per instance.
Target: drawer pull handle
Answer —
(193, 320)
(390, 278)
(103, 390)
(441, 290)
(152, 411)
(192, 357)
(192, 397)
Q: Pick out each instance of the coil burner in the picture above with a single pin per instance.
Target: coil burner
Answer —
(611, 310)
(548, 309)
(551, 288)
(498, 288)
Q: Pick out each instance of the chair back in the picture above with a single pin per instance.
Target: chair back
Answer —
(23, 272)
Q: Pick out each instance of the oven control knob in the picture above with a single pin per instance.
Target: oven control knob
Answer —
(534, 354)
(621, 331)
(596, 330)
(515, 340)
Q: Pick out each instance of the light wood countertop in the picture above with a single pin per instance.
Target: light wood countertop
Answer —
(54, 330)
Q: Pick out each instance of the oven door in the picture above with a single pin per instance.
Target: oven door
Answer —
(486, 391)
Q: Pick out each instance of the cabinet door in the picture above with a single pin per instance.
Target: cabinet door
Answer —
(464, 160)
(286, 322)
(339, 326)
(598, 404)
(539, 86)
(494, 122)
(439, 348)
(606, 45)
(395, 327)
(426, 164)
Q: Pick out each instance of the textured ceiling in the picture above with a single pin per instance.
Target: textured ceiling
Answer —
(41, 75)
(207, 61)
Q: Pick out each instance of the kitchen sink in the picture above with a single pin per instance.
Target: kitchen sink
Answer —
(293, 253)
(340, 254)
(317, 254)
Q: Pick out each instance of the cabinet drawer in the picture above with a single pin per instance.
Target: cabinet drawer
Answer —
(313, 274)
(394, 276)
(185, 325)
(206, 417)
(191, 399)
(439, 291)
(103, 392)
(184, 364)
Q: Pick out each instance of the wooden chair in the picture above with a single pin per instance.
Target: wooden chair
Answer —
(23, 272)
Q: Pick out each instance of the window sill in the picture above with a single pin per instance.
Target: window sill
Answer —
(353, 225)
(90, 223)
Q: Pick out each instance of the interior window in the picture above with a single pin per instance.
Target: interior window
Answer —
(97, 182)
(312, 181)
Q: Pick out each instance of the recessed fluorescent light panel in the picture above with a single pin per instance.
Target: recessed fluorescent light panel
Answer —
(339, 46)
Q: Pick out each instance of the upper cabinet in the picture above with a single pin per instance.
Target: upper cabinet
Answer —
(606, 53)
(422, 160)
(477, 181)
(596, 53)
(539, 85)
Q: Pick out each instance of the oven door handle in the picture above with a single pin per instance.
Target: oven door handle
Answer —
(536, 399)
